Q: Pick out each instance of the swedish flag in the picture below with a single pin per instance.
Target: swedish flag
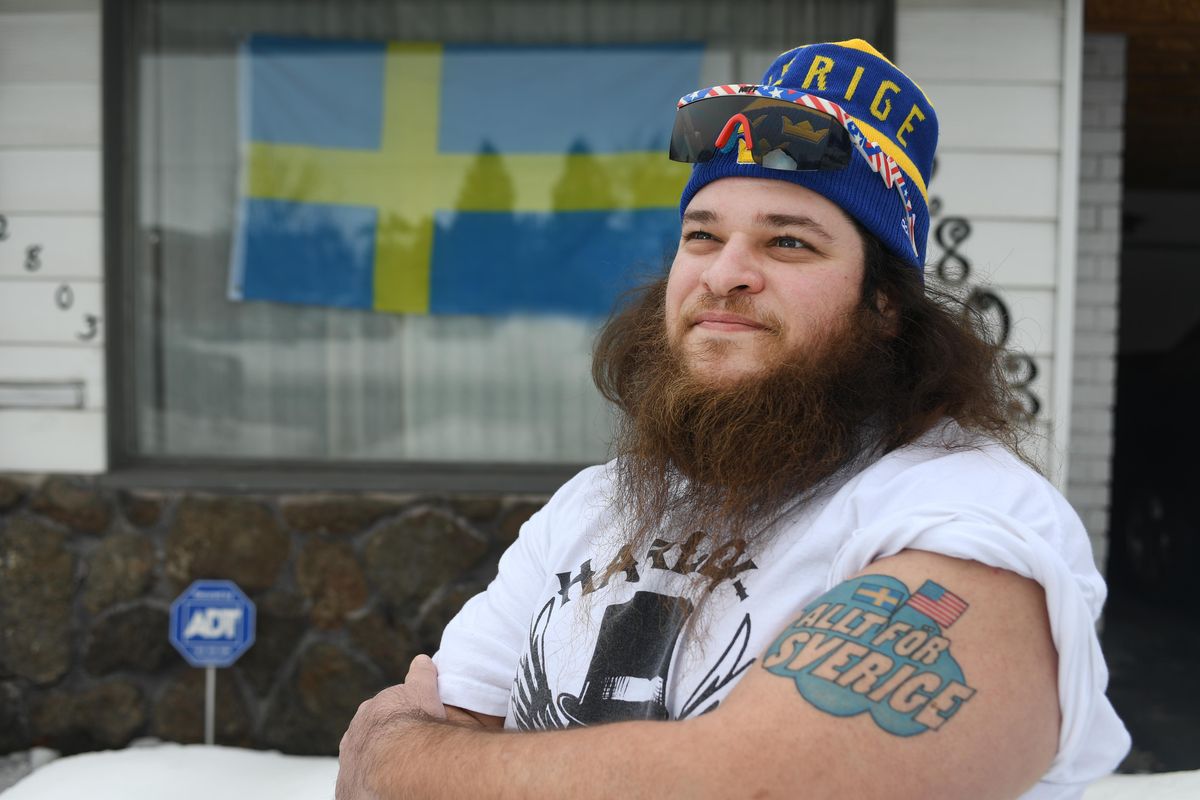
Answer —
(878, 596)
(428, 178)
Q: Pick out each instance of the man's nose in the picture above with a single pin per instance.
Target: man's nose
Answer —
(733, 270)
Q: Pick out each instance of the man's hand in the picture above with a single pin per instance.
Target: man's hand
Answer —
(367, 752)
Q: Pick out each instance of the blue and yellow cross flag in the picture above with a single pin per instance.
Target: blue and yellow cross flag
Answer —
(425, 178)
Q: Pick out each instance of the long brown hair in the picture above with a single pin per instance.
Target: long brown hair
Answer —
(946, 363)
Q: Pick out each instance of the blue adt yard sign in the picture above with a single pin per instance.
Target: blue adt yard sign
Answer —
(212, 623)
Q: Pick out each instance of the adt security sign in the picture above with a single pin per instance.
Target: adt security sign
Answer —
(212, 623)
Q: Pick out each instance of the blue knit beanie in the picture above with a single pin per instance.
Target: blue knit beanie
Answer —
(886, 112)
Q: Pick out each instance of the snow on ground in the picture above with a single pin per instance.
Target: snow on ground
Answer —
(180, 772)
(1165, 786)
(196, 772)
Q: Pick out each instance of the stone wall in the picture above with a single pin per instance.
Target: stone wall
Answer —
(348, 589)
(1089, 470)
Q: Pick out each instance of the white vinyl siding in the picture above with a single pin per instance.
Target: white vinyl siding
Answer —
(51, 253)
(994, 72)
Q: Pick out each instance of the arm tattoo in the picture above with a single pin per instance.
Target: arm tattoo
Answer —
(871, 645)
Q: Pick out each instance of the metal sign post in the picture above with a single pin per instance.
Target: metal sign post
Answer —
(212, 624)
(210, 702)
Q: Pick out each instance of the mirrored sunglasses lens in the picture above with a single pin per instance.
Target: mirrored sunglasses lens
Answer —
(785, 135)
(698, 125)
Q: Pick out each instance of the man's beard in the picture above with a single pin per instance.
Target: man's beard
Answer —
(728, 458)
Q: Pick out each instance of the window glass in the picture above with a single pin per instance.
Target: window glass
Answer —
(413, 265)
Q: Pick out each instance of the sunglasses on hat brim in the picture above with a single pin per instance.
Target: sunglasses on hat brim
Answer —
(776, 134)
(813, 133)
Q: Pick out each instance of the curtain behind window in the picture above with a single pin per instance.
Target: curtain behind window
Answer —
(214, 378)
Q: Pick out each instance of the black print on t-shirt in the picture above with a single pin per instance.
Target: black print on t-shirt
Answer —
(532, 698)
(723, 564)
(627, 678)
(724, 672)
(628, 675)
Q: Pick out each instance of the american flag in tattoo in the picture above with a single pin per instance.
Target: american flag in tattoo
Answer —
(938, 603)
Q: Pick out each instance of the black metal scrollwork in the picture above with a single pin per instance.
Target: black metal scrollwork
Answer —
(1022, 371)
(954, 269)
(33, 257)
(991, 309)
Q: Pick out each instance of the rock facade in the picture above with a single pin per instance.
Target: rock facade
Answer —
(348, 588)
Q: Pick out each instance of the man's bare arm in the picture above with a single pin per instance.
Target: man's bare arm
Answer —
(817, 714)
(463, 716)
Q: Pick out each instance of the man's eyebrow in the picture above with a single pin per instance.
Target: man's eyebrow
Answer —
(703, 216)
(700, 215)
(787, 221)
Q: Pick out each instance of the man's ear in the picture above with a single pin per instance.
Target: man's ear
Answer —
(888, 312)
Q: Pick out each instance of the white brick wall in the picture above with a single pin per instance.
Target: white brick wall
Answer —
(1094, 364)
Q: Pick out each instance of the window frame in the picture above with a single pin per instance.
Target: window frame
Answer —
(120, 23)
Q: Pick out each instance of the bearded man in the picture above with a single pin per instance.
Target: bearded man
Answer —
(817, 565)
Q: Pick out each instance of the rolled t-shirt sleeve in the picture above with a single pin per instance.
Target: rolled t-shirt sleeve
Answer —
(1037, 535)
(481, 646)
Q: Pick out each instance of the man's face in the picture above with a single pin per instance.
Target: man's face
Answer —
(764, 269)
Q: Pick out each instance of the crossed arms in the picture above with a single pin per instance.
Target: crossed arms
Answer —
(842, 703)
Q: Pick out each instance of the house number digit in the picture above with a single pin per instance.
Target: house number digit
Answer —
(1022, 371)
(3, 227)
(33, 260)
(64, 297)
(93, 327)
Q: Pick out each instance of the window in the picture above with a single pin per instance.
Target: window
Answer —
(202, 377)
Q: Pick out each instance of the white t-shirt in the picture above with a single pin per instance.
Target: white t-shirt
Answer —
(549, 644)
